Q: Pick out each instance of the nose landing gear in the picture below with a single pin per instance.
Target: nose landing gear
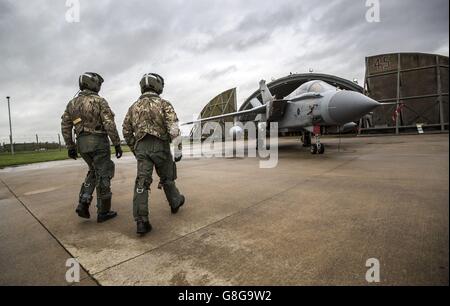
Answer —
(318, 147)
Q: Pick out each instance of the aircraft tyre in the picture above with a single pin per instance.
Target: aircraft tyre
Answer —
(321, 150)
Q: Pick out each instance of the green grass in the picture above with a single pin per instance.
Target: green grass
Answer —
(23, 158)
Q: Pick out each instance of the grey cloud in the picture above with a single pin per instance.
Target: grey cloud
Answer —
(201, 47)
(253, 29)
(215, 73)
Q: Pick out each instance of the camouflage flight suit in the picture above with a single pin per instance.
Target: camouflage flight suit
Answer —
(93, 121)
(149, 126)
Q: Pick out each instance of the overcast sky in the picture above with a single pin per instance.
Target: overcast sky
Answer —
(201, 48)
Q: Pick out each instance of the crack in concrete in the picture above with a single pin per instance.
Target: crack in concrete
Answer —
(49, 232)
(227, 217)
(206, 165)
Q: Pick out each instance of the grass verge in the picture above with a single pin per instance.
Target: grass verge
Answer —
(24, 158)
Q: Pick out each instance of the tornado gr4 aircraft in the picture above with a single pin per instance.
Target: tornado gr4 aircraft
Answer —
(310, 107)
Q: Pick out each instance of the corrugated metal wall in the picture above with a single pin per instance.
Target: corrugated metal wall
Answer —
(224, 103)
(416, 84)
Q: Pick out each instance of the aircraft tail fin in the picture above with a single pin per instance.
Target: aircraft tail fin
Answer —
(265, 92)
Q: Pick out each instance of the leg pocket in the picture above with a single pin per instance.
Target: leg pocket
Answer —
(104, 172)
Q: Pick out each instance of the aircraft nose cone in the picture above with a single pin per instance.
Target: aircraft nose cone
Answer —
(346, 106)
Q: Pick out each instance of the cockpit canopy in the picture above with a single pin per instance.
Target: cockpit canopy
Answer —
(315, 87)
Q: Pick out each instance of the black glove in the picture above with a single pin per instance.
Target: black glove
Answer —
(178, 152)
(119, 151)
(72, 153)
(178, 157)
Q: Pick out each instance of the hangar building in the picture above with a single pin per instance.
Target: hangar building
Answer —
(223, 103)
(417, 86)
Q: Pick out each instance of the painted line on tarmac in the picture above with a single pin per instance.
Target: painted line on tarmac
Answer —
(39, 191)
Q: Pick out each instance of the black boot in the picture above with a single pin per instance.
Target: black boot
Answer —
(83, 211)
(106, 213)
(143, 227)
(102, 217)
(174, 210)
(173, 196)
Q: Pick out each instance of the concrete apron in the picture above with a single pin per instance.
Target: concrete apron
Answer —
(310, 220)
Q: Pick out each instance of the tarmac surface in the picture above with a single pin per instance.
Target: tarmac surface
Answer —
(312, 220)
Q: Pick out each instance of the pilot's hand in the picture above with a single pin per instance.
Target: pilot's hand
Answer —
(178, 157)
(119, 151)
(178, 154)
(72, 153)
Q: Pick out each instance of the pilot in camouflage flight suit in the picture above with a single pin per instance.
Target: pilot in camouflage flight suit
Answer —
(150, 125)
(93, 121)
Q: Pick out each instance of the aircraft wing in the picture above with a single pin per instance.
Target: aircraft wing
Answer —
(256, 110)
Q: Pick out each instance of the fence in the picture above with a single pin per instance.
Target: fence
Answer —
(35, 142)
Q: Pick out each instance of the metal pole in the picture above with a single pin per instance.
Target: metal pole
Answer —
(365, 92)
(10, 127)
(59, 141)
(397, 117)
(439, 90)
(37, 142)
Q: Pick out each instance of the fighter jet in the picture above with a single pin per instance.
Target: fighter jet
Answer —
(307, 109)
